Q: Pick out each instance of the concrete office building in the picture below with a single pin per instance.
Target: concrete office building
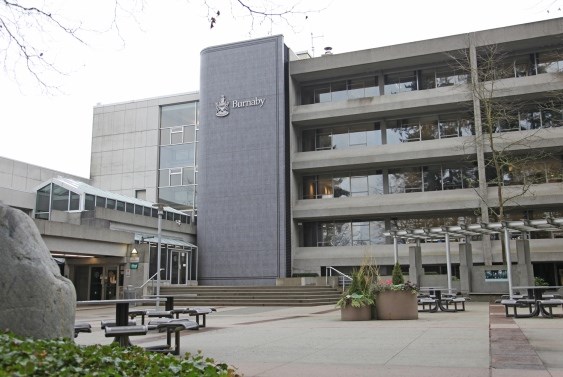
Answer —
(295, 164)
(307, 163)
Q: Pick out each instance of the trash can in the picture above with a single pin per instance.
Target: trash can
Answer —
(129, 293)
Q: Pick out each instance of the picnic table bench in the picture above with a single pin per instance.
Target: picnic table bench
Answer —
(81, 327)
(170, 325)
(196, 312)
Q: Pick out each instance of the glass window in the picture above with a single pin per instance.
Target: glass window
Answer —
(138, 209)
(110, 203)
(376, 230)
(120, 206)
(74, 204)
(177, 135)
(360, 233)
(342, 234)
(188, 176)
(452, 178)
(524, 65)
(359, 185)
(129, 207)
(358, 138)
(89, 202)
(338, 91)
(448, 128)
(549, 62)
(59, 198)
(177, 115)
(176, 177)
(325, 186)
(466, 127)
(427, 79)
(43, 199)
(341, 138)
(147, 211)
(189, 134)
(530, 120)
(165, 136)
(177, 155)
(341, 187)
(164, 177)
(554, 170)
(429, 130)
(405, 180)
(100, 201)
(324, 141)
(400, 82)
(309, 187)
(375, 183)
(374, 135)
(405, 132)
(179, 197)
(322, 94)
(551, 118)
(470, 177)
(432, 178)
(308, 140)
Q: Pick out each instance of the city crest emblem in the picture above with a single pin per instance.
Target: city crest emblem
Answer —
(222, 107)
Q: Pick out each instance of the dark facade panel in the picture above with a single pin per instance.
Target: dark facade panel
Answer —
(242, 201)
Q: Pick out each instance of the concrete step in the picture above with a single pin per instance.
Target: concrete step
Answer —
(254, 295)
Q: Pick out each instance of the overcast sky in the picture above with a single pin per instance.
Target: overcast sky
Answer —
(159, 55)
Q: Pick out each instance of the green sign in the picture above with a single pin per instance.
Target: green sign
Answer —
(134, 266)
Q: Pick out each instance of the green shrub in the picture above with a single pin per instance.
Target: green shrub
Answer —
(62, 357)
(397, 276)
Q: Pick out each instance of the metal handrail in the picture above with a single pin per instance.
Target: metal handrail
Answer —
(342, 276)
(148, 280)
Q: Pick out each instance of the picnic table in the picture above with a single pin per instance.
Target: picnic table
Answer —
(436, 298)
(537, 302)
(118, 330)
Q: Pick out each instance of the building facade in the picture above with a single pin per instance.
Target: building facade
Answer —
(296, 165)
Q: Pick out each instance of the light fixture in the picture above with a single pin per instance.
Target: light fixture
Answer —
(134, 257)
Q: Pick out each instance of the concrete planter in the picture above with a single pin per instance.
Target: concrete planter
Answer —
(396, 305)
(350, 313)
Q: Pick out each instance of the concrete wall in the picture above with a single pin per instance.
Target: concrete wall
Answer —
(125, 139)
(19, 179)
(242, 201)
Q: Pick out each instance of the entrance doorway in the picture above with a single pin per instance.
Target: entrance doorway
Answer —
(103, 282)
(178, 266)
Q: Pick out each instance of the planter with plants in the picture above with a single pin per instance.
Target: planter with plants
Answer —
(396, 299)
(357, 300)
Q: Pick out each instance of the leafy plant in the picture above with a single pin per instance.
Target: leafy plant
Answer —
(360, 292)
(541, 282)
(397, 282)
(21, 356)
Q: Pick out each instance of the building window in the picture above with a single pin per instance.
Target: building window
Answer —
(177, 155)
(340, 90)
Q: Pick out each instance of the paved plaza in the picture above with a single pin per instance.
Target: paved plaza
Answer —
(313, 341)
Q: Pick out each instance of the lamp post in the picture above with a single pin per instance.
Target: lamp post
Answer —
(159, 207)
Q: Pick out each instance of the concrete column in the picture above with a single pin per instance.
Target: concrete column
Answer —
(415, 264)
(477, 93)
(465, 267)
(525, 269)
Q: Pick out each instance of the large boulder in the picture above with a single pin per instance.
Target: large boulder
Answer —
(35, 300)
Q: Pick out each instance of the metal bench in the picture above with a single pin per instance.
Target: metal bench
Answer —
(122, 333)
(171, 326)
(81, 327)
(111, 323)
(521, 303)
(197, 312)
(428, 304)
(549, 305)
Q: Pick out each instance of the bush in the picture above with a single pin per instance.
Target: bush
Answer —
(62, 357)
(398, 277)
